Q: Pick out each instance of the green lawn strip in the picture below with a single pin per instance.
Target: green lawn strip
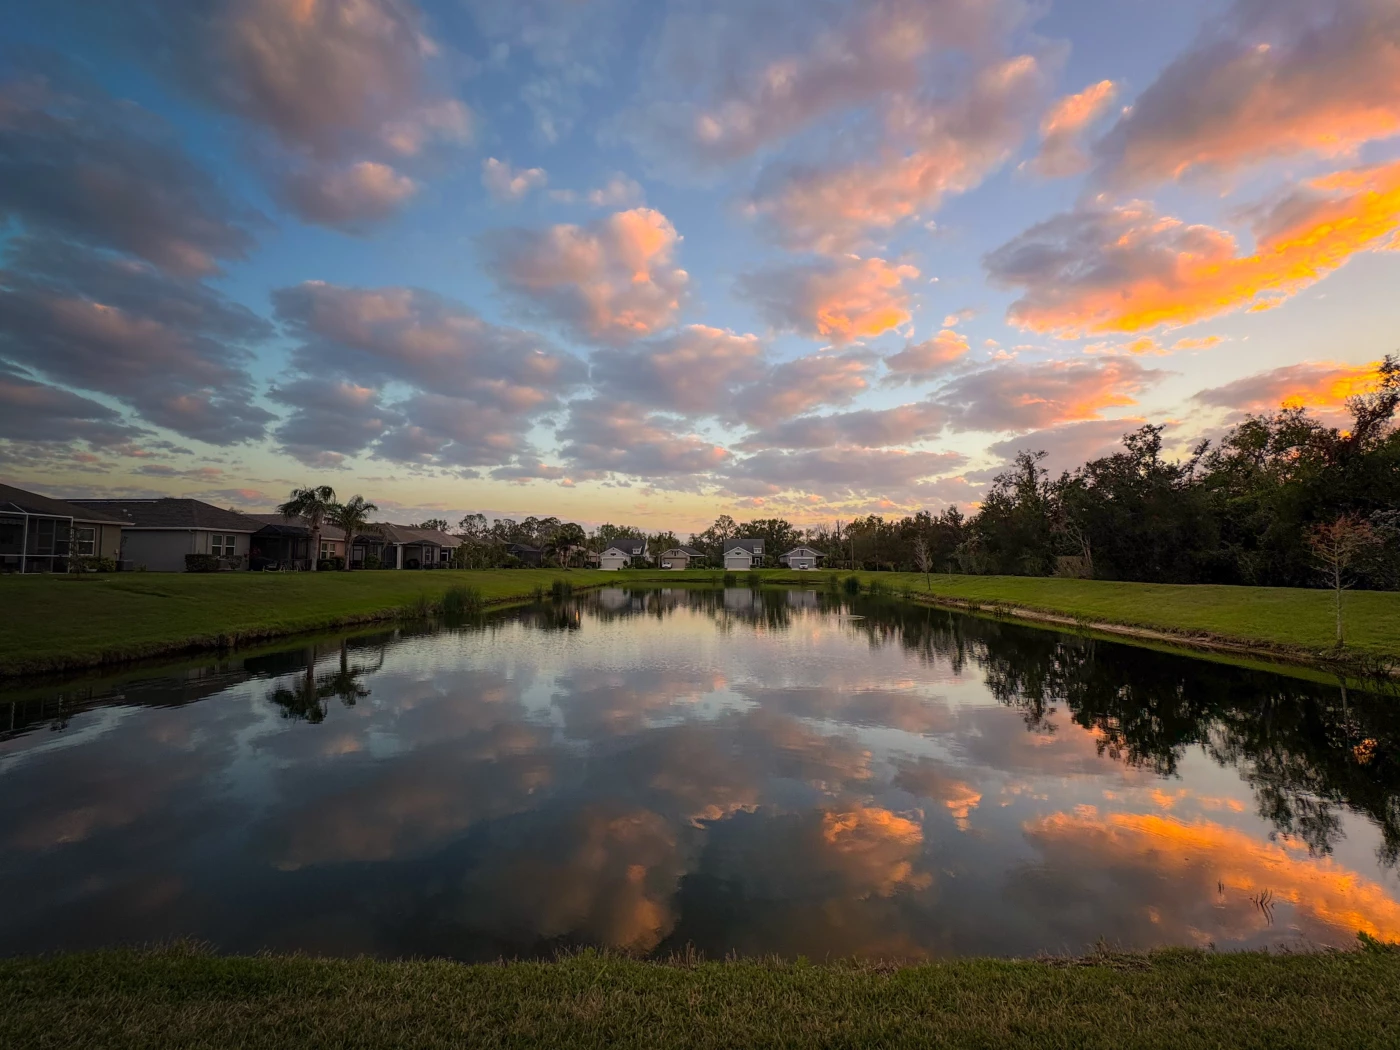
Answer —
(67, 623)
(1279, 617)
(1176, 999)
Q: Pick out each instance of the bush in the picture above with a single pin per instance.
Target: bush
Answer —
(753, 579)
(201, 563)
(371, 561)
(92, 563)
(879, 586)
(731, 580)
(561, 589)
(851, 584)
(330, 565)
(461, 601)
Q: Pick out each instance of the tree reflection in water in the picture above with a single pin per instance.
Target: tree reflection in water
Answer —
(307, 700)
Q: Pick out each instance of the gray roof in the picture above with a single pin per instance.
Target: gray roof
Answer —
(750, 545)
(24, 502)
(804, 547)
(632, 548)
(689, 551)
(281, 526)
(171, 514)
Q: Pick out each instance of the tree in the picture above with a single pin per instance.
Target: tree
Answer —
(438, 524)
(311, 505)
(564, 541)
(1337, 547)
(923, 558)
(352, 518)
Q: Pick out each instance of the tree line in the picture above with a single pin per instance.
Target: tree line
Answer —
(1282, 499)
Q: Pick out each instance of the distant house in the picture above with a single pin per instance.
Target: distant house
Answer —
(801, 558)
(158, 533)
(743, 554)
(283, 544)
(404, 547)
(39, 534)
(533, 557)
(624, 554)
(681, 557)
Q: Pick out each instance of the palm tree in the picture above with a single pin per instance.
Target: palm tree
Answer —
(312, 505)
(352, 518)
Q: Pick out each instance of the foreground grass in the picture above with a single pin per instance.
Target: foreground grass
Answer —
(65, 623)
(1178, 1000)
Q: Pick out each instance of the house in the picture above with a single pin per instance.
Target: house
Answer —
(531, 557)
(286, 544)
(743, 554)
(39, 534)
(158, 533)
(624, 554)
(801, 558)
(403, 547)
(681, 557)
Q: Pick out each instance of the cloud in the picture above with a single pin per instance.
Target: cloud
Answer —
(694, 371)
(332, 419)
(1062, 149)
(609, 282)
(606, 437)
(730, 78)
(172, 349)
(920, 362)
(31, 411)
(1272, 78)
(475, 387)
(1311, 384)
(349, 198)
(841, 299)
(1029, 397)
(79, 165)
(800, 385)
(334, 85)
(618, 192)
(839, 472)
(507, 184)
(1070, 445)
(861, 428)
(1123, 268)
(937, 148)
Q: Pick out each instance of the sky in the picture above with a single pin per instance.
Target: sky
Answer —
(651, 261)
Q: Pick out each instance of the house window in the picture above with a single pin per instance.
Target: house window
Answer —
(326, 551)
(84, 541)
(221, 546)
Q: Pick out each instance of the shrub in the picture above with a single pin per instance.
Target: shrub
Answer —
(92, 563)
(851, 584)
(371, 561)
(201, 563)
(561, 589)
(330, 564)
(731, 580)
(753, 579)
(879, 586)
(461, 601)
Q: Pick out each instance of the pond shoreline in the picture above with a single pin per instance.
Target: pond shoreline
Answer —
(1173, 998)
(1074, 606)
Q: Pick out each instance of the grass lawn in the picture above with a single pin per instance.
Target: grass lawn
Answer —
(52, 623)
(1282, 617)
(1175, 1000)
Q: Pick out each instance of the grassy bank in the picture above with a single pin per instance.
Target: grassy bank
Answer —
(1289, 620)
(67, 623)
(1174, 1000)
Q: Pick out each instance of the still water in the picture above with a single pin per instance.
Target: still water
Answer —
(751, 772)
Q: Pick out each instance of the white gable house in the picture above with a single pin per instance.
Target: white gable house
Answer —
(743, 554)
(624, 554)
(801, 558)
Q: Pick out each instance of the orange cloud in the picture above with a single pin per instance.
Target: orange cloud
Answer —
(1266, 80)
(876, 849)
(958, 145)
(611, 281)
(841, 299)
(920, 361)
(1061, 131)
(1322, 384)
(1123, 268)
(1203, 856)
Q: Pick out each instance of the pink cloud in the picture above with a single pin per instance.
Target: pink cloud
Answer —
(1312, 384)
(695, 370)
(919, 362)
(1029, 397)
(1062, 150)
(610, 282)
(841, 299)
(1269, 79)
(347, 198)
(507, 184)
(798, 386)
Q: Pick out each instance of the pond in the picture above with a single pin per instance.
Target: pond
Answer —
(739, 771)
